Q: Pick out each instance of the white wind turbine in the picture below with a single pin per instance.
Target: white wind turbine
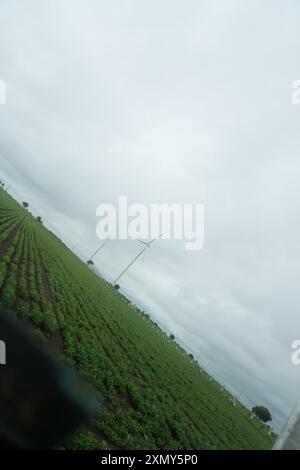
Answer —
(147, 245)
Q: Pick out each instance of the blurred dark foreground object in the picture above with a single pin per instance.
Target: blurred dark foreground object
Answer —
(41, 402)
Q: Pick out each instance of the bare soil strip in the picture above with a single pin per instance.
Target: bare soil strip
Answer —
(55, 342)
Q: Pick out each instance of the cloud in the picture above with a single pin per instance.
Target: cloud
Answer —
(167, 103)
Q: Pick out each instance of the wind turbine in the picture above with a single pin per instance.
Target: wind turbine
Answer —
(98, 249)
(147, 245)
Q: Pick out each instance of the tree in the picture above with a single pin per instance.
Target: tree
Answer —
(90, 262)
(25, 204)
(39, 219)
(116, 286)
(191, 356)
(262, 413)
(172, 337)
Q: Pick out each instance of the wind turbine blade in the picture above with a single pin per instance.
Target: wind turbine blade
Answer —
(159, 236)
(143, 257)
(141, 241)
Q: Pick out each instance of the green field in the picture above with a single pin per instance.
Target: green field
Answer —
(155, 396)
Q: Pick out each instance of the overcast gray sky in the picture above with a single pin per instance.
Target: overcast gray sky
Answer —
(171, 101)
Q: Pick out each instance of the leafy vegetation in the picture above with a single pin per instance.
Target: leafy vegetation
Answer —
(154, 394)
